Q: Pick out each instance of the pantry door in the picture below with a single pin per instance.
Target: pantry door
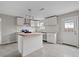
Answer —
(70, 30)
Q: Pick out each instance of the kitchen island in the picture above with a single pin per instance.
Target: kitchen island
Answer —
(29, 42)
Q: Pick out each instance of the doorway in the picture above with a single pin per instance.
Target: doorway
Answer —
(70, 30)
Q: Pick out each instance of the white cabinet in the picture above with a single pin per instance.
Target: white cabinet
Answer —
(49, 25)
(51, 37)
(20, 21)
(51, 29)
(50, 21)
(35, 23)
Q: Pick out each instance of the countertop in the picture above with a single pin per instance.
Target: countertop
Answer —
(26, 34)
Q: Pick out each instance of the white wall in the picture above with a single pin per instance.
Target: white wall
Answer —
(8, 28)
(0, 29)
(75, 13)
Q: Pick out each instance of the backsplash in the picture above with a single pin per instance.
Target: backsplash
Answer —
(19, 28)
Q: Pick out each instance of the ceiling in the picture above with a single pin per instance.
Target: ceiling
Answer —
(19, 8)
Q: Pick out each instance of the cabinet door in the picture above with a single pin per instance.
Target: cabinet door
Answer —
(50, 29)
(51, 21)
(35, 23)
(20, 21)
(51, 37)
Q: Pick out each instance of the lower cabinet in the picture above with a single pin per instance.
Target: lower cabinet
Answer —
(51, 37)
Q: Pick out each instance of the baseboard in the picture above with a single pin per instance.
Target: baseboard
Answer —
(69, 44)
(8, 43)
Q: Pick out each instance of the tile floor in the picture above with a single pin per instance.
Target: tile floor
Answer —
(49, 50)
(9, 50)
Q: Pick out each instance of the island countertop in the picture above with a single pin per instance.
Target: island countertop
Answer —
(25, 34)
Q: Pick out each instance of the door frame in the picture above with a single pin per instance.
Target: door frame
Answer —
(77, 23)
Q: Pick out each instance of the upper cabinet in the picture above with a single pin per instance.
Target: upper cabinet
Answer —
(20, 21)
(50, 21)
(35, 23)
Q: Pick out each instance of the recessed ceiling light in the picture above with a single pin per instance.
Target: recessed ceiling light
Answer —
(42, 9)
(29, 9)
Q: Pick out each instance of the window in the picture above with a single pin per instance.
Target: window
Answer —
(69, 24)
